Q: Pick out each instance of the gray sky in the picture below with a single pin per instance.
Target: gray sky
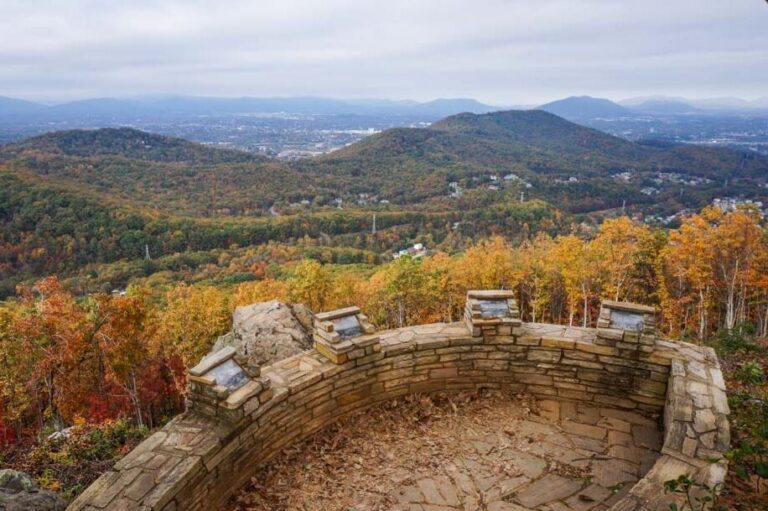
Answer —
(499, 51)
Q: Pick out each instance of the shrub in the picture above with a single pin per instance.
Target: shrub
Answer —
(751, 373)
(69, 463)
(696, 496)
(740, 338)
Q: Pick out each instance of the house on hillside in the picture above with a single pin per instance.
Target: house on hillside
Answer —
(416, 251)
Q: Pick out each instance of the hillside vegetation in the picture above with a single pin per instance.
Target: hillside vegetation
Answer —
(120, 360)
(127, 143)
(49, 227)
(418, 163)
(76, 199)
(411, 167)
(122, 256)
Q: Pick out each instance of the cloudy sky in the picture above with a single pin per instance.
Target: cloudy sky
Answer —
(500, 51)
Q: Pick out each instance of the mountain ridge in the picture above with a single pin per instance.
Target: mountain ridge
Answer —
(585, 107)
(108, 107)
(467, 173)
(125, 142)
(404, 166)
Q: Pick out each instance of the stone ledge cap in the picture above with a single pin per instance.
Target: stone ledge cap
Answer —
(338, 313)
(629, 306)
(213, 360)
(491, 294)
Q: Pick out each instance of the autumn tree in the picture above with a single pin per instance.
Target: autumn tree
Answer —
(710, 269)
(402, 293)
(738, 247)
(15, 374)
(311, 284)
(59, 339)
(539, 278)
(191, 320)
(615, 251)
(685, 272)
(579, 271)
(348, 288)
(449, 294)
(125, 343)
(260, 291)
(488, 265)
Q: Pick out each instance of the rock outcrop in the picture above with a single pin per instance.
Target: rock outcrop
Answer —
(269, 331)
(19, 492)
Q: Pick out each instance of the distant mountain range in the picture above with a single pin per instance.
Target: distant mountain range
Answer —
(586, 107)
(114, 110)
(18, 107)
(184, 106)
(705, 103)
(667, 107)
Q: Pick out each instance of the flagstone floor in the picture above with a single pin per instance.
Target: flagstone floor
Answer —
(494, 453)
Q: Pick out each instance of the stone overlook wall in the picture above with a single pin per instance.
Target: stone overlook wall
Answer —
(201, 457)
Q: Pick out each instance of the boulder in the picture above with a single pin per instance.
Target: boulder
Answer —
(268, 331)
(19, 492)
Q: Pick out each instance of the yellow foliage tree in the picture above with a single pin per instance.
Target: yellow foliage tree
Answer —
(449, 294)
(260, 291)
(539, 282)
(311, 284)
(16, 369)
(615, 251)
(401, 294)
(488, 265)
(739, 250)
(348, 288)
(192, 319)
(579, 273)
(686, 275)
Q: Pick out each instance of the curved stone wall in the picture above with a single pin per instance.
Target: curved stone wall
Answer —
(198, 460)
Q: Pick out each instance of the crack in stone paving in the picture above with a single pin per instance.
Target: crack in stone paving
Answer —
(541, 455)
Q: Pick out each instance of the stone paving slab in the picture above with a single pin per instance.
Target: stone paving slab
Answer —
(558, 463)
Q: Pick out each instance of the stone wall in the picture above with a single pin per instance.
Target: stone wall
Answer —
(198, 460)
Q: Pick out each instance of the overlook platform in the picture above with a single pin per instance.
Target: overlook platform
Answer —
(462, 452)
(202, 457)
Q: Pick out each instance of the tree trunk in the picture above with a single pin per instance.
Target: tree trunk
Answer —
(58, 424)
(764, 323)
(134, 393)
(730, 312)
(702, 315)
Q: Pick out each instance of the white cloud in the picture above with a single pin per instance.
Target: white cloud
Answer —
(501, 51)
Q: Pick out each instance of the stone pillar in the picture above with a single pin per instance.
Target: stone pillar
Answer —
(625, 325)
(345, 334)
(491, 313)
(224, 386)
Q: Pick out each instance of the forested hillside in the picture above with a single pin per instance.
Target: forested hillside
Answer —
(537, 153)
(530, 141)
(127, 143)
(489, 157)
(53, 228)
(79, 199)
(119, 360)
